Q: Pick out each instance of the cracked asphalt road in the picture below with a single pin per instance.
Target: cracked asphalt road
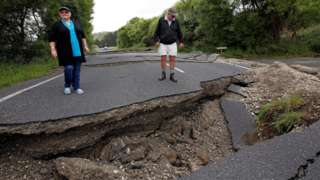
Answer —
(107, 88)
(278, 158)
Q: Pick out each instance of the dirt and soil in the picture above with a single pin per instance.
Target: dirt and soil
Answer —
(188, 141)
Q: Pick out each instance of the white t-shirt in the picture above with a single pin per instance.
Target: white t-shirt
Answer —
(170, 22)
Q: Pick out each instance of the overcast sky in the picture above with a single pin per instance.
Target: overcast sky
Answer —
(110, 15)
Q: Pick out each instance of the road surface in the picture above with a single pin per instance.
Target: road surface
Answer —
(107, 85)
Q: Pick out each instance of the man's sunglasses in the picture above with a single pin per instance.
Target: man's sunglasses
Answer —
(64, 12)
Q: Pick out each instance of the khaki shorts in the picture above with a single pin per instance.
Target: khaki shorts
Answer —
(168, 50)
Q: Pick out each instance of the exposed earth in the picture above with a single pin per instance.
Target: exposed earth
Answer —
(279, 81)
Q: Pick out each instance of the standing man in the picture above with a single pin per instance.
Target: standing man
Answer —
(68, 43)
(167, 36)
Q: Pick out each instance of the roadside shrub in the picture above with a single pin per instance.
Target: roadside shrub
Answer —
(280, 116)
(287, 121)
(315, 46)
(311, 37)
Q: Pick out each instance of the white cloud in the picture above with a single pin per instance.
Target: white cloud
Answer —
(110, 15)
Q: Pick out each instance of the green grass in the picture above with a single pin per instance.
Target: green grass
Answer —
(306, 44)
(287, 121)
(307, 32)
(11, 73)
(280, 116)
(284, 49)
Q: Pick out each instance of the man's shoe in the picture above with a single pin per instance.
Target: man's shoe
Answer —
(163, 76)
(79, 91)
(172, 78)
(67, 91)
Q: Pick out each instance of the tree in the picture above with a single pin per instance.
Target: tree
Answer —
(24, 25)
(249, 25)
(187, 15)
(215, 22)
(108, 39)
(135, 33)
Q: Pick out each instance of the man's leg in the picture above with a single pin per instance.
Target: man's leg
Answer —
(163, 52)
(163, 68)
(172, 67)
(173, 50)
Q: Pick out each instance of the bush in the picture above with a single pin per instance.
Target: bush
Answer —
(287, 121)
(280, 116)
(24, 25)
(284, 48)
(314, 44)
(135, 33)
(311, 37)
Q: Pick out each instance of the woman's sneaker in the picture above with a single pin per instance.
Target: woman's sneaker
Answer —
(79, 91)
(67, 91)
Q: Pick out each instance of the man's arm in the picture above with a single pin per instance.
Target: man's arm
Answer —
(157, 33)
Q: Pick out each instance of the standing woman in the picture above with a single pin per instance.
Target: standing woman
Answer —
(68, 43)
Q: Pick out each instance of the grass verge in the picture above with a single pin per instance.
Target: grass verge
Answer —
(282, 50)
(11, 73)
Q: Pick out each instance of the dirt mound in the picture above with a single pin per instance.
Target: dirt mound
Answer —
(279, 80)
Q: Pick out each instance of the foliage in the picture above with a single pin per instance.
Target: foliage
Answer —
(311, 37)
(136, 33)
(188, 19)
(264, 27)
(24, 25)
(215, 22)
(106, 39)
(287, 121)
(309, 12)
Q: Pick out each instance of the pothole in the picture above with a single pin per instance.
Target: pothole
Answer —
(164, 138)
